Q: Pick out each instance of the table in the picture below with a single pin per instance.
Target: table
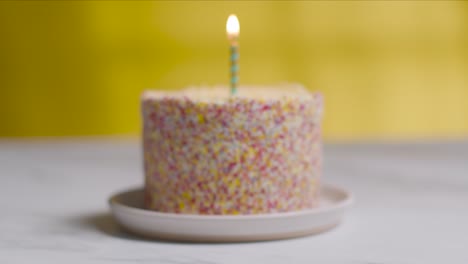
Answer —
(411, 207)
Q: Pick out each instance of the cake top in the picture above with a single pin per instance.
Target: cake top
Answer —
(221, 94)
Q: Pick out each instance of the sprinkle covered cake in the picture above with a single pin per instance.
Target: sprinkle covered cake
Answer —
(206, 152)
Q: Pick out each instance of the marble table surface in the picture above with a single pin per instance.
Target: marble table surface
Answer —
(411, 207)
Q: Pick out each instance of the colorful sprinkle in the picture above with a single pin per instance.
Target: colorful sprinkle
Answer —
(241, 156)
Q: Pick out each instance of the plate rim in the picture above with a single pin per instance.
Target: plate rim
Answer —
(347, 201)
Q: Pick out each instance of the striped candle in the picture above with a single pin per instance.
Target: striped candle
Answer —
(232, 28)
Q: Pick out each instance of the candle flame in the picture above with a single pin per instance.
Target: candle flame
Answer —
(232, 26)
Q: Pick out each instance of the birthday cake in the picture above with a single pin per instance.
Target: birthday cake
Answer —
(206, 152)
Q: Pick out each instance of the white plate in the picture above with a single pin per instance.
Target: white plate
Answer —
(127, 208)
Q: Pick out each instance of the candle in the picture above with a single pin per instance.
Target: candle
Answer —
(232, 29)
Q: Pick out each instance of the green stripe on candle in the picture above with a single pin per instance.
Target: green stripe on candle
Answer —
(233, 91)
(234, 56)
(235, 68)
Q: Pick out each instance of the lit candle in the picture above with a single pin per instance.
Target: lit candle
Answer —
(232, 28)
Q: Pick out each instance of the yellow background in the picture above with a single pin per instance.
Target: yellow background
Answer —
(388, 70)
